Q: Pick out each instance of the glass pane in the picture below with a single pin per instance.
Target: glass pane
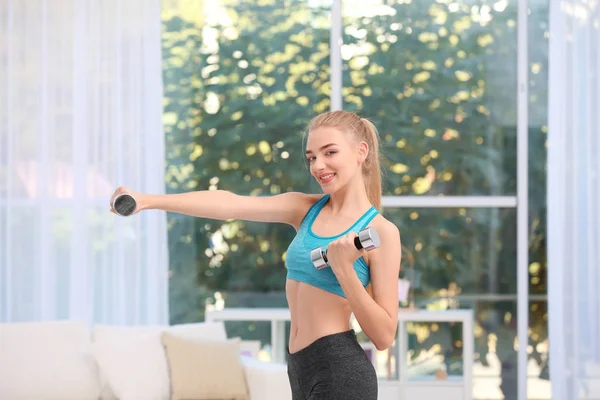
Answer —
(538, 373)
(439, 81)
(239, 92)
(242, 80)
(255, 336)
(457, 251)
(435, 351)
(495, 372)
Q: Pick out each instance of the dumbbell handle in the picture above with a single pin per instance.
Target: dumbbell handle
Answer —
(367, 239)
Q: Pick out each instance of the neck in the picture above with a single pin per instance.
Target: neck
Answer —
(350, 199)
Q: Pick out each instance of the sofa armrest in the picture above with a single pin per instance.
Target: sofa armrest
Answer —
(266, 381)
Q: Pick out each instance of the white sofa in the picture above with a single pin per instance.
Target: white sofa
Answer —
(67, 360)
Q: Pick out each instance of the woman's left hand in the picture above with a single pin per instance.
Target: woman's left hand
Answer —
(342, 253)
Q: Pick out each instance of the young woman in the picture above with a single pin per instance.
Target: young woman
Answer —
(325, 360)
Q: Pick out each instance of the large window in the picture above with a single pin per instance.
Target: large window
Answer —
(440, 81)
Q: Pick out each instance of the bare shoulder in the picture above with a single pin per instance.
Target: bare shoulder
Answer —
(384, 264)
(301, 200)
(300, 203)
(386, 229)
(390, 247)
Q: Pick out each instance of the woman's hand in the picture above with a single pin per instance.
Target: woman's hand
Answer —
(140, 199)
(342, 253)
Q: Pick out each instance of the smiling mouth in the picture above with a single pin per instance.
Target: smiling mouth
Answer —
(326, 178)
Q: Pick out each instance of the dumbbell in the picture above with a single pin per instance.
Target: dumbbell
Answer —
(367, 239)
(124, 204)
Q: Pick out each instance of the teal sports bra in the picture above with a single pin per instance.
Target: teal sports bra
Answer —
(297, 260)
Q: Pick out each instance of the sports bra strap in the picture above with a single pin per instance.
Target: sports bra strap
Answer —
(364, 221)
(314, 210)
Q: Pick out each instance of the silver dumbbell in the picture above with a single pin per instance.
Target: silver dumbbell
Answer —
(124, 204)
(367, 239)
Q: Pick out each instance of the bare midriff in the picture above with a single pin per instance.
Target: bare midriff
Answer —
(314, 313)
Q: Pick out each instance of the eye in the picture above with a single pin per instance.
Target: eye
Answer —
(330, 153)
(309, 159)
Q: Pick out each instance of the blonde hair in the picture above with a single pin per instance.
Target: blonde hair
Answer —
(363, 130)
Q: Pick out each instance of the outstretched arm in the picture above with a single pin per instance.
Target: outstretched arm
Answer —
(377, 315)
(288, 208)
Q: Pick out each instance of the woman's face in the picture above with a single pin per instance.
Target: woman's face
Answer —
(333, 157)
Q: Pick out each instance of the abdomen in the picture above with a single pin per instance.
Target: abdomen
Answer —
(315, 313)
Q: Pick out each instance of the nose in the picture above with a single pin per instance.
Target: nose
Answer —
(318, 165)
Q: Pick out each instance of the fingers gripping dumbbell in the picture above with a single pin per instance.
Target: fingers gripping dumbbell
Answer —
(367, 239)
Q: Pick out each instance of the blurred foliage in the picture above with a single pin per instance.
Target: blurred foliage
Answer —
(233, 122)
(243, 78)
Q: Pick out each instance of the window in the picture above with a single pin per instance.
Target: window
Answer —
(440, 81)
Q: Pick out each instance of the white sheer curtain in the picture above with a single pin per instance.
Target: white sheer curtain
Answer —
(574, 199)
(80, 113)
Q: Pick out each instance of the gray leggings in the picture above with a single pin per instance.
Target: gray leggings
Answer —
(333, 367)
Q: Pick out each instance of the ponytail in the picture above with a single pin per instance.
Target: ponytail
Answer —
(372, 167)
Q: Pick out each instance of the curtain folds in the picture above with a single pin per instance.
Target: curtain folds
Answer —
(80, 113)
(574, 199)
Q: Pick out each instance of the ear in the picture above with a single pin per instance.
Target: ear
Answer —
(363, 151)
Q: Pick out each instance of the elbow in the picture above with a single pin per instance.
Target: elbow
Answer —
(385, 341)
(383, 344)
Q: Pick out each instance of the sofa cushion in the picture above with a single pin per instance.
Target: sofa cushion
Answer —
(267, 380)
(47, 360)
(205, 369)
(133, 367)
(133, 349)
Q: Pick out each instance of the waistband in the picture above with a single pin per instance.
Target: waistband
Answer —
(335, 345)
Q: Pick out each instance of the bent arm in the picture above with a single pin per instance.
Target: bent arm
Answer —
(288, 208)
(378, 315)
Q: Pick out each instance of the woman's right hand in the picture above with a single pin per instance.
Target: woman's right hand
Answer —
(139, 198)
